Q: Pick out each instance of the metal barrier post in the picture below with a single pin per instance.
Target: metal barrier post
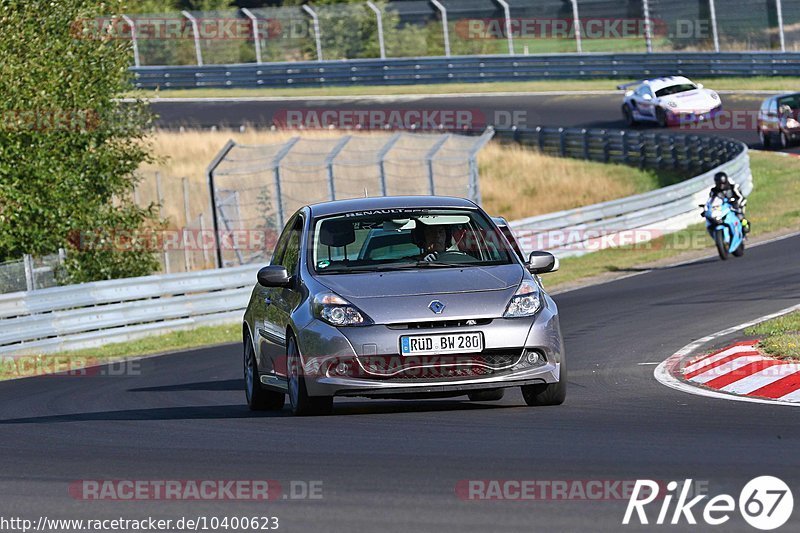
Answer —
(186, 257)
(474, 185)
(382, 159)
(256, 33)
(713, 12)
(317, 38)
(212, 197)
(329, 163)
(445, 29)
(507, 16)
(576, 24)
(30, 280)
(779, 9)
(429, 158)
(135, 40)
(196, 32)
(648, 30)
(379, 20)
(276, 165)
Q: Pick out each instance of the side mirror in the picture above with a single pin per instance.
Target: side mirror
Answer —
(647, 97)
(542, 262)
(274, 276)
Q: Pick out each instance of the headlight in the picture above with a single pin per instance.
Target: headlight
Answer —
(337, 311)
(792, 123)
(672, 104)
(715, 96)
(525, 302)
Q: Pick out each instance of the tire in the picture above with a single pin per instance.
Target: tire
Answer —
(547, 393)
(627, 114)
(766, 140)
(719, 240)
(488, 395)
(661, 117)
(784, 140)
(301, 403)
(739, 252)
(258, 398)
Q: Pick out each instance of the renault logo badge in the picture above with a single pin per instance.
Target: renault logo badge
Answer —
(436, 306)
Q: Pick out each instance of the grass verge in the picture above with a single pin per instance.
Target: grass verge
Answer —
(762, 83)
(71, 362)
(780, 337)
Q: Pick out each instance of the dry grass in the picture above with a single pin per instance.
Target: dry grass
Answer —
(515, 182)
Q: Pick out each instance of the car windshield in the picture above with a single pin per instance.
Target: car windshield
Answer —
(675, 89)
(399, 239)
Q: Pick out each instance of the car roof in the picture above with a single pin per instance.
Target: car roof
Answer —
(668, 81)
(386, 202)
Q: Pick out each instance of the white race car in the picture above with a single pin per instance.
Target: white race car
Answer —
(668, 101)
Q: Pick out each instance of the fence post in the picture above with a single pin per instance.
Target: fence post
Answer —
(329, 163)
(30, 280)
(779, 9)
(445, 29)
(562, 142)
(276, 165)
(212, 167)
(713, 12)
(429, 159)
(160, 199)
(507, 17)
(256, 36)
(474, 189)
(186, 257)
(576, 25)
(134, 40)
(648, 30)
(196, 32)
(317, 38)
(202, 222)
(382, 159)
(379, 20)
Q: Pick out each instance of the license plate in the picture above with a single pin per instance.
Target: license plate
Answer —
(441, 343)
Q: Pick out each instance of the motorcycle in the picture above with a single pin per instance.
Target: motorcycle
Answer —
(724, 226)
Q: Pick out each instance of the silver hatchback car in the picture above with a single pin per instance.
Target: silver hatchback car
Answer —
(399, 297)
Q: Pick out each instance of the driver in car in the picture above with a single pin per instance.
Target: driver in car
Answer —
(432, 239)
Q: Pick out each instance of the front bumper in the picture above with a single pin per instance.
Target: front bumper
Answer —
(679, 117)
(502, 364)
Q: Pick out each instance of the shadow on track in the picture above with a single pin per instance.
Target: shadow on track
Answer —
(223, 385)
(241, 411)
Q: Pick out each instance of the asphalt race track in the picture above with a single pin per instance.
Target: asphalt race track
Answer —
(393, 466)
(503, 110)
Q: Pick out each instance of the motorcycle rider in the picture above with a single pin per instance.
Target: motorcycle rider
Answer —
(725, 188)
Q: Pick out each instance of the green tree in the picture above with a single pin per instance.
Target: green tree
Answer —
(68, 147)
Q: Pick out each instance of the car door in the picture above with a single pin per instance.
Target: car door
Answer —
(279, 302)
(645, 102)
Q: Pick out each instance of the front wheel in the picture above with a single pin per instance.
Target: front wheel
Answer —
(627, 114)
(784, 140)
(722, 247)
(765, 139)
(302, 403)
(661, 117)
(547, 393)
(258, 398)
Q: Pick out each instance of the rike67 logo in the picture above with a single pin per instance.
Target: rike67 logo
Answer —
(765, 503)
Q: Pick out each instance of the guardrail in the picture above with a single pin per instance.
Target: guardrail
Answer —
(92, 314)
(422, 70)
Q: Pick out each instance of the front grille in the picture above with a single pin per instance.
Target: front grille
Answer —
(400, 368)
(433, 324)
